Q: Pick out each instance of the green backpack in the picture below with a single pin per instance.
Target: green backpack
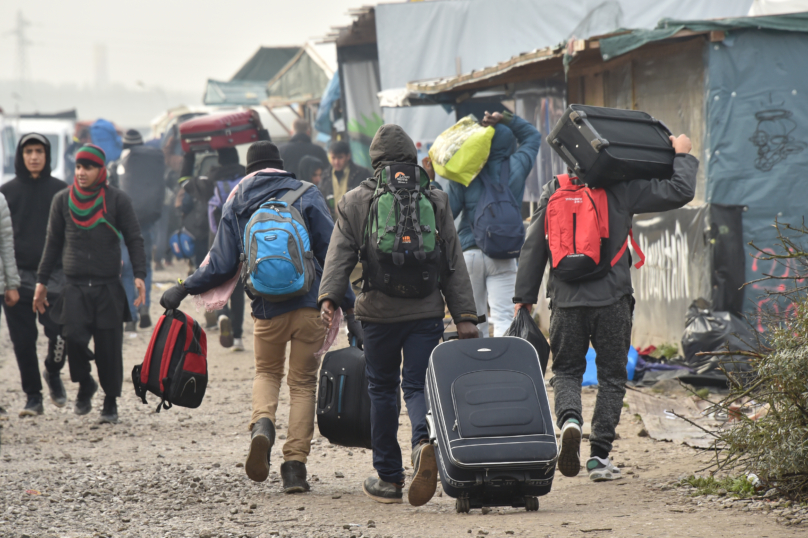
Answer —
(401, 255)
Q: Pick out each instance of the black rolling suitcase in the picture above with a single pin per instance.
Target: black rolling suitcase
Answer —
(343, 403)
(490, 418)
(608, 145)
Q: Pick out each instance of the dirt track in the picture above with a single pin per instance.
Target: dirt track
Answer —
(180, 473)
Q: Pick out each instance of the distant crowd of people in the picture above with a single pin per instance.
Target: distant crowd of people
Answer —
(79, 259)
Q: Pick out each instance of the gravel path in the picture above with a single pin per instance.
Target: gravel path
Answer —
(180, 473)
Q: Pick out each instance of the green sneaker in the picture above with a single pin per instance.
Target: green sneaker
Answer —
(569, 455)
(601, 470)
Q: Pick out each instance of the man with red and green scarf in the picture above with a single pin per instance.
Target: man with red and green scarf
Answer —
(87, 222)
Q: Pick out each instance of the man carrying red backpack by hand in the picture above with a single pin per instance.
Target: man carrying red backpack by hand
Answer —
(584, 233)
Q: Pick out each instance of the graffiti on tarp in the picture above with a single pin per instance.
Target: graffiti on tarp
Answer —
(773, 138)
(665, 273)
(781, 270)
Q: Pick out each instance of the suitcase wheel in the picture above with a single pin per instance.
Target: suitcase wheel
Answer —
(463, 506)
(531, 504)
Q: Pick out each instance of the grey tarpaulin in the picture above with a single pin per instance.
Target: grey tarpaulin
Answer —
(757, 139)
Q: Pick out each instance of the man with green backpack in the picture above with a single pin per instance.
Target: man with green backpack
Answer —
(402, 231)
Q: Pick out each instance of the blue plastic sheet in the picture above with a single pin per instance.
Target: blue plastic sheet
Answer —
(591, 374)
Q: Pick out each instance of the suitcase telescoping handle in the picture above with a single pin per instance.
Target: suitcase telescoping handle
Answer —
(334, 389)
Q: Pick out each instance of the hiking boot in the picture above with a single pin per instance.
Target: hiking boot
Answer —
(130, 327)
(84, 398)
(225, 331)
(601, 470)
(425, 474)
(109, 414)
(33, 406)
(293, 474)
(263, 437)
(383, 492)
(569, 455)
(57, 389)
(145, 318)
(238, 344)
(210, 320)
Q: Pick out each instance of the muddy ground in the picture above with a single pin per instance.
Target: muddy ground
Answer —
(180, 473)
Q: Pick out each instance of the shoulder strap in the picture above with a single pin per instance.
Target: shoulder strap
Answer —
(292, 196)
(636, 248)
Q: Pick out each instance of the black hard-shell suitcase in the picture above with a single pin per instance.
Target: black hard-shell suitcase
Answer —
(343, 403)
(609, 145)
(489, 415)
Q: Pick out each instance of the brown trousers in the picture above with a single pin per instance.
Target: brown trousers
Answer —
(304, 330)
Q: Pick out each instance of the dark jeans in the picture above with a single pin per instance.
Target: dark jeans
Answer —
(609, 330)
(108, 357)
(235, 310)
(128, 275)
(22, 329)
(384, 343)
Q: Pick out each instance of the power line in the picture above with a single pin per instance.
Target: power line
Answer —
(22, 49)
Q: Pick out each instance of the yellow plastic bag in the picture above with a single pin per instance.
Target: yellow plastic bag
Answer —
(460, 152)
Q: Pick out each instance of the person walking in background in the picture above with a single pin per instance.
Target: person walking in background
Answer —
(311, 170)
(9, 276)
(293, 321)
(598, 310)
(342, 175)
(87, 223)
(230, 319)
(493, 279)
(29, 196)
(300, 146)
(396, 325)
(139, 173)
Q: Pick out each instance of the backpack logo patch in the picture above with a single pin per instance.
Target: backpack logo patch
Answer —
(401, 178)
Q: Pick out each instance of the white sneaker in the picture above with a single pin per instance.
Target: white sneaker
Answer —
(601, 470)
(569, 455)
(238, 344)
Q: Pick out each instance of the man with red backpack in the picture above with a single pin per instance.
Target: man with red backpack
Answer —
(584, 233)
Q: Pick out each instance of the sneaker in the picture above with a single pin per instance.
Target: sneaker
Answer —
(33, 406)
(225, 331)
(263, 437)
(210, 320)
(84, 398)
(425, 474)
(569, 455)
(109, 414)
(130, 327)
(56, 387)
(383, 492)
(145, 318)
(601, 470)
(293, 474)
(238, 345)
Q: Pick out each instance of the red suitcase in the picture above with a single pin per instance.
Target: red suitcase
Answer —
(220, 130)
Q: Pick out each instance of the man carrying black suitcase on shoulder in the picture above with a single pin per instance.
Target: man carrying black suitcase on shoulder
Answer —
(393, 325)
(598, 310)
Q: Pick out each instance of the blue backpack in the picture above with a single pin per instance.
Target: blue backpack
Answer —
(278, 260)
(498, 228)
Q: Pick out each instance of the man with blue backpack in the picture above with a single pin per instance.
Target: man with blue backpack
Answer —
(278, 230)
(491, 230)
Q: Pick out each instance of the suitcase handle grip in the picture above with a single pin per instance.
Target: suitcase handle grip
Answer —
(572, 160)
(325, 399)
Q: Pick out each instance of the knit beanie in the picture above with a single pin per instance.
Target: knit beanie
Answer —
(227, 156)
(263, 154)
(132, 138)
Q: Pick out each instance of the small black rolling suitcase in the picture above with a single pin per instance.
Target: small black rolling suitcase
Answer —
(489, 416)
(343, 403)
(608, 145)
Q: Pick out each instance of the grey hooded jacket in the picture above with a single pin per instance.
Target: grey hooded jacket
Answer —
(391, 144)
(9, 277)
(625, 200)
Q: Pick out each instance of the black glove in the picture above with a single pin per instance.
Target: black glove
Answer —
(355, 330)
(188, 161)
(173, 296)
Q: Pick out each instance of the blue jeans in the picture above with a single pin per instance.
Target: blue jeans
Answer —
(128, 275)
(384, 343)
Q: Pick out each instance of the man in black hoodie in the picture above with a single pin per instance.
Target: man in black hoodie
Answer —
(299, 146)
(29, 197)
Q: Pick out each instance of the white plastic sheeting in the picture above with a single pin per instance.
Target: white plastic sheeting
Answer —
(777, 7)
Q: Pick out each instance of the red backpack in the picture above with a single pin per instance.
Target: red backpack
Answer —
(577, 229)
(175, 367)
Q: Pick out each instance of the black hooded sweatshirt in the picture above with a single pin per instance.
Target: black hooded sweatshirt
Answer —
(30, 200)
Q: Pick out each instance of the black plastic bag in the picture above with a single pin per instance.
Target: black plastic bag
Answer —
(525, 328)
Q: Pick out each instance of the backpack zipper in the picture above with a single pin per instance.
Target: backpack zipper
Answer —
(574, 231)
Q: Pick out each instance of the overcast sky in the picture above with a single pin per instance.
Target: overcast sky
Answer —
(175, 44)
